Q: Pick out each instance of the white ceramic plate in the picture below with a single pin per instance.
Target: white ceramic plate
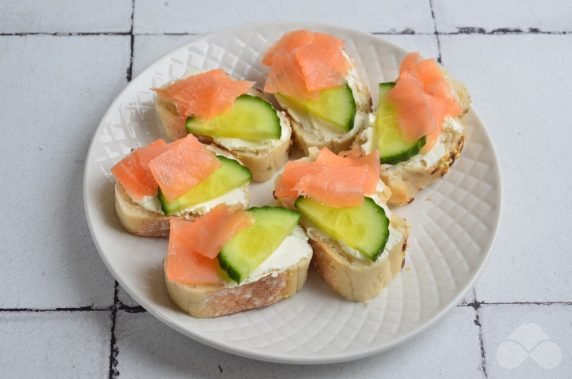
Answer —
(454, 221)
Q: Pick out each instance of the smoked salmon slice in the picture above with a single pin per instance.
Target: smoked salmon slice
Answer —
(369, 162)
(331, 179)
(303, 63)
(133, 171)
(186, 163)
(184, 264)
(208, 234)
(422, 98)
(204, 95)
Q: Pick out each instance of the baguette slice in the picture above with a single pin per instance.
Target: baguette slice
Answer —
(406, 179)
(212, 301)
(307, 135)
(261, 159)
(354, 279)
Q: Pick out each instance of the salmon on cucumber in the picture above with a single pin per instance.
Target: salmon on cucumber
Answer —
(179, 176)
(315, 81)
(212, 104)
(411, 111)
(229, 113)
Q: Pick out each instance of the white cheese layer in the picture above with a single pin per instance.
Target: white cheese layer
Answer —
(233, 197)
(452, 127)
(293, 249)
(238, 144)
(151, 203)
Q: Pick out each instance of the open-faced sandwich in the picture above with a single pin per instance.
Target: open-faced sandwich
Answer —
(359, 244)
(181, 179)
(316, 82)
(228, 112)
(230, 260)
(418, 129)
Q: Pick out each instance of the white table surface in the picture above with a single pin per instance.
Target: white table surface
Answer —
(63, 61)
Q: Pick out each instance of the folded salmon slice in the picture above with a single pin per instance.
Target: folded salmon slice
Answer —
(184, 165)
(303, 63)
(133, 171)
(369, 162)
(331, 179)
(422, 98)
(204, 95)
(184, 265)
(195, 245)
(208, 234)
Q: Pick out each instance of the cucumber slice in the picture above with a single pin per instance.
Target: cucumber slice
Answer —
(228, 176)
(335, 106)
(251, 246)
(364, 227)
(393, 147)
(251, 118)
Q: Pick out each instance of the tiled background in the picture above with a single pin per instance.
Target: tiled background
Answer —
(63, 61)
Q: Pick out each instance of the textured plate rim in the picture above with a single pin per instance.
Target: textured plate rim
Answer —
(330, 358)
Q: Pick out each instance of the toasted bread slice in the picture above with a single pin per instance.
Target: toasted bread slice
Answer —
(212, 301)
(406, 179)
(262, 159)
(354, 278)
(307, 134)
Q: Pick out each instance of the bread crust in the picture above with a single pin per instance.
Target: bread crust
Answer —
(406, 182)
(203, 301)
(353, 279)
(262, 163)
(141, 222)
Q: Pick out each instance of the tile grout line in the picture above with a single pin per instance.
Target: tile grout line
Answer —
(87, 308)
(436, 33)
(476, 306)
(113, 349)
(139, 309)
(545, 303)
(64, 34)
(463, 30)
(129, 73)
(502, 31)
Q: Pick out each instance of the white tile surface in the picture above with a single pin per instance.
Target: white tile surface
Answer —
(31, 16)
(532, 341)
(196, 16)
(546, 15)
(147, 49)
(54, 90)
(54, 345)
(425, 44)
(149, 348)
(521, 91)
